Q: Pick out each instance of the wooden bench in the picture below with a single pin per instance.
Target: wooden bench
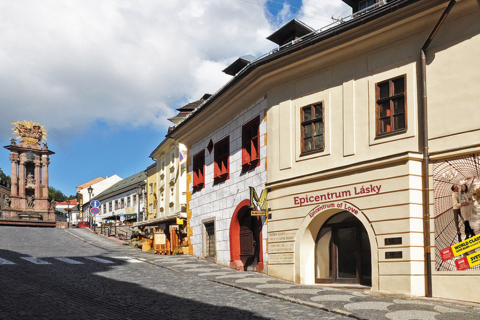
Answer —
(30, 216)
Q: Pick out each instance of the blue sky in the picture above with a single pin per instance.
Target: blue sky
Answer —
(104, 78)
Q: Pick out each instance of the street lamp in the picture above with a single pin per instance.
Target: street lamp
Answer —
(139, 190)
(68, 212)
(90, 190)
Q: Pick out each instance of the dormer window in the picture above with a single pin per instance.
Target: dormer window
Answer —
(366, 3)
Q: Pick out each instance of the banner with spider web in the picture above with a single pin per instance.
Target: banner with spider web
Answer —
(446, 173)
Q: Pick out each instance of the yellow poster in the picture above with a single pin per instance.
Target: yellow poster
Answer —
(460, 248)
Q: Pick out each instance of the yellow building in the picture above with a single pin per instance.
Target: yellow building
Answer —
(151, 192)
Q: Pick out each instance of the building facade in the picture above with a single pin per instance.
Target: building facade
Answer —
(124, 201)
(87, 192)
(359, 182)
(226, 161)
(351, 201)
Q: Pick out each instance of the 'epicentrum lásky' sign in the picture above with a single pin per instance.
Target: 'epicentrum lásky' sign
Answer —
(311, 199)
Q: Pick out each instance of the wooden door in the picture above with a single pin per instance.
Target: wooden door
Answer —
(248, 243)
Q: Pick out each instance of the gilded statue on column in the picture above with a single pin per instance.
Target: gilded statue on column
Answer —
(29, 132)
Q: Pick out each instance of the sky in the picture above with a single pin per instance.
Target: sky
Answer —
(103, 77)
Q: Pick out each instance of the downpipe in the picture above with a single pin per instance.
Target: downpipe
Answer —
(426, 157)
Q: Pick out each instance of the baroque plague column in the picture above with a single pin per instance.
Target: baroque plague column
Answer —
(29, 188)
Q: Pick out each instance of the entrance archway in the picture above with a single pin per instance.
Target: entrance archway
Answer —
(246, 249)
(342, 251)
(306, 238)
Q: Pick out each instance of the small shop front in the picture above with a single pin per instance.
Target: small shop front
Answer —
(364, 230)
(173, 227)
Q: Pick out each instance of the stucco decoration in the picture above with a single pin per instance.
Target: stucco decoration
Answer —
(29, 132)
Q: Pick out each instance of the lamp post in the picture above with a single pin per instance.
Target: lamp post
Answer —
(68, 212)
(139, 190)
(90, 190)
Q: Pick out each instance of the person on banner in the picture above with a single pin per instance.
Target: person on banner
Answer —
(466, 209)
(457, 205)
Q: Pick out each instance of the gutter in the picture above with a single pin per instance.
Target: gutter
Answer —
(426, 161)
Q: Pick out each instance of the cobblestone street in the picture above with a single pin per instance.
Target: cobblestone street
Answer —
(76, 274)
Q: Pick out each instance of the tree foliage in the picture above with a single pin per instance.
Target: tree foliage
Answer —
(4, 177)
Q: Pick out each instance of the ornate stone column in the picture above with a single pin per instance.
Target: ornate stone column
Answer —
(45, 163)
(21, 176)
(14, 174)
(38, 191)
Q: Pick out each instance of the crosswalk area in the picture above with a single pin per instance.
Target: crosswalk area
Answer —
(65, 260)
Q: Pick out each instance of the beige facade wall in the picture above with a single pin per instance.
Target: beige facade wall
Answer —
(170, 184)
(342, 73)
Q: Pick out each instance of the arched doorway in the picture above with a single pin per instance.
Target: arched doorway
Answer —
(246, 250)
(342, 251)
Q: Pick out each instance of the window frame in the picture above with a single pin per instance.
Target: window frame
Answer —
(198, 164)
(221, 160)
(251, 142)
(312, 121)
(392, 96)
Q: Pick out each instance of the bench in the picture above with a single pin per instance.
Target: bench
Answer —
(30, 216)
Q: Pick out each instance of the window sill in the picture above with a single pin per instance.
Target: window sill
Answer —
(198, 187)
(307, 153)
(389, 134)
(248, 166)
(220, 178)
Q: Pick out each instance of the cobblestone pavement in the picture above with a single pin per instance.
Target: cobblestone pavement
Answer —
(117, 281)
(54, 274)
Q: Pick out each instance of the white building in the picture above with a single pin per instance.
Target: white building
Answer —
(97, 186)
(121, 200)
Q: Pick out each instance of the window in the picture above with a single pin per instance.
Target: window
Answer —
(151, 188)
(251, 145)
(199, 171)
(390, 106)
(128, 201)
(110, 206)
(104, 208)
(312, 128)
(134, 199)
(122, 203)
(116, 205)
(366, 3)
(221, 159)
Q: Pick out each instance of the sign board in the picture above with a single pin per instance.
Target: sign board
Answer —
(160, 238)
(122, 217)
(95, 203)
(254, 213)
(179, 221)
(95, 210)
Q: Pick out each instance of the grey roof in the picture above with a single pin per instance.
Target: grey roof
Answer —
(123, 185)
(238, 64)
(290, 31)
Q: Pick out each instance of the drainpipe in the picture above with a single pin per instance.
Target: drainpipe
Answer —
(425, 162)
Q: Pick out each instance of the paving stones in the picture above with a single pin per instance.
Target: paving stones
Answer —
(263, 296)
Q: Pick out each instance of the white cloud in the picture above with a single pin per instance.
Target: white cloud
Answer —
(317, 14)
(67, 63)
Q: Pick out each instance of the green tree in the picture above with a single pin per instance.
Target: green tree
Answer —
(56, 194)
(4, 177)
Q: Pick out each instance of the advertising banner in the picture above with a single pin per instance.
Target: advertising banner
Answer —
(456, 185)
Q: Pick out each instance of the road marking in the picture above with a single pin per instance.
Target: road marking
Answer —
(3, 261)
(35, 260)
(99, 260)
(128, 259)
(67, 260)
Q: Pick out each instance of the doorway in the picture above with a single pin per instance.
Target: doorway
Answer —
(342, 251)
(249, 241)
